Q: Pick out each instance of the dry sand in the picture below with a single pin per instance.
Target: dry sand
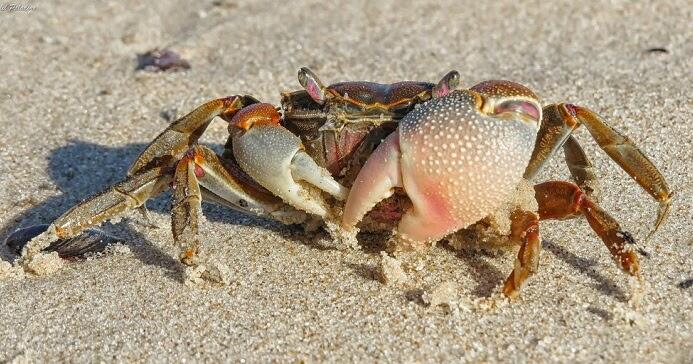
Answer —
(74, 114)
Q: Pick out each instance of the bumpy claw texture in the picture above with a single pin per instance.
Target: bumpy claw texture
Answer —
(457, 164)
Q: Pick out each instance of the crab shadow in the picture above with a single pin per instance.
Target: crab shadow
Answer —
(81, 169)
(586, 267)
(488, 277)
(484, 273)
(483, 268)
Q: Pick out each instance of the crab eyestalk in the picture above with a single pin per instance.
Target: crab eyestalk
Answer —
(311, 83)
(446, 84)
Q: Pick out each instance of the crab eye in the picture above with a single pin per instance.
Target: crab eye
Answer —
(526, 108)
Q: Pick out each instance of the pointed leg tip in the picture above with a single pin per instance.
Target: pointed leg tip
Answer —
(510, 291)
(662, 214)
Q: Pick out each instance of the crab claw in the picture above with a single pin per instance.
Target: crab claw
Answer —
(274, 157)
(457, 158)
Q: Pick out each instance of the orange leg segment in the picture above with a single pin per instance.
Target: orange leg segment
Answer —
(561, 200)
(524, 230)
(564, 200)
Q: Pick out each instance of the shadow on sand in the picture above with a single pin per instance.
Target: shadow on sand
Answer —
(81, 169)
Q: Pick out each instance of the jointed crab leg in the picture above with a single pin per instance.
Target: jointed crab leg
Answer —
(126, 195)
(624, 152)
(525, 231)
(560, 120)
(553, 132)
(202, 175)
(170, 145)
(560, 200)
(563, 200)
(199, 175)
(580, 167)
(146, 177)
(153, 170)
(186, 210)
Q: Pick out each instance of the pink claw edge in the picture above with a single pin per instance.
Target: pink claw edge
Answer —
(426, 221)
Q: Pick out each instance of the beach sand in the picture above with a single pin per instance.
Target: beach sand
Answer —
(74, 114)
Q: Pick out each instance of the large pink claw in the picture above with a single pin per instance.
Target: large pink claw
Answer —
(457, 158)
(376, 181)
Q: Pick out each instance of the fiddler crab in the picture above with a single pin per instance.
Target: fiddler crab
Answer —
(423, 160)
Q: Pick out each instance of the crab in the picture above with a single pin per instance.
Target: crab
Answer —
(424, 160)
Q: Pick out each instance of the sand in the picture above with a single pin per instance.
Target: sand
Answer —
(74, 114)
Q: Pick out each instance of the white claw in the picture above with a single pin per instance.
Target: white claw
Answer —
(273, 157)
(304, 168)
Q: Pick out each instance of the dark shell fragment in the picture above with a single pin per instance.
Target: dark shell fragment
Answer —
(90, 241)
